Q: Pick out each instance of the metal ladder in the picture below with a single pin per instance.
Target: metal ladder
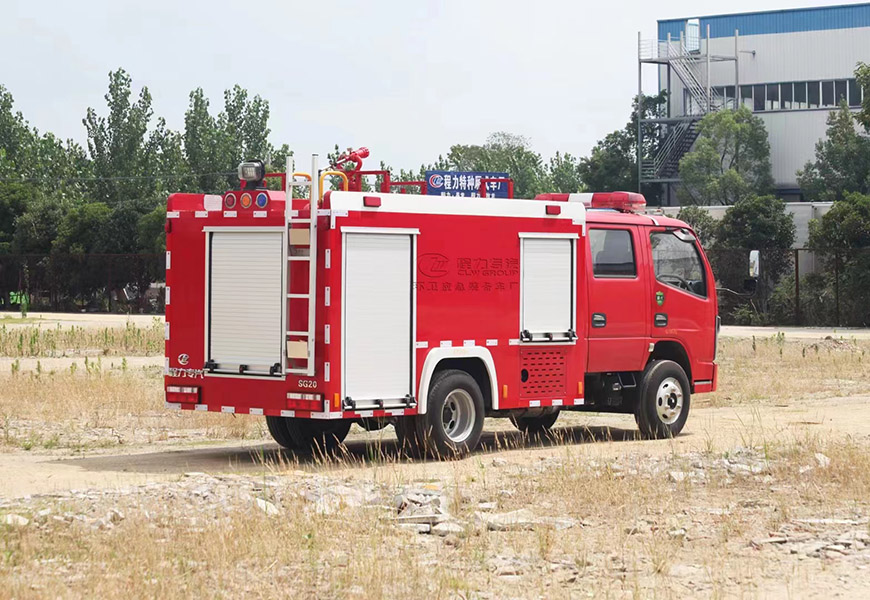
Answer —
(302, 249)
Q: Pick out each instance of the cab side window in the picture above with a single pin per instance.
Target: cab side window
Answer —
(612, 253)
(677, 262)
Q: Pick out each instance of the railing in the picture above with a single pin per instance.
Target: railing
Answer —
(685, 64)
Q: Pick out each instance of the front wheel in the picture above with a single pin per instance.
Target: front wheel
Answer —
(664, 399)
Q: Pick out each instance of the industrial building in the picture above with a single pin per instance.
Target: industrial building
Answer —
(790, 67)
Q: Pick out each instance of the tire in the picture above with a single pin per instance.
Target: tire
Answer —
(453, 422)
(278, 429)
(664, 400)
(535, 426)
(406, 437)
(311, 435)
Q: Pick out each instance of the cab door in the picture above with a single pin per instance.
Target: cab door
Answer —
(683, 302)
(618, 310)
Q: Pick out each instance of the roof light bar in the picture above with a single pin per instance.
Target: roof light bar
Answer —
(622, 201)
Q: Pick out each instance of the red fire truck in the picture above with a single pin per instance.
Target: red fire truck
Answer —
(430, 313)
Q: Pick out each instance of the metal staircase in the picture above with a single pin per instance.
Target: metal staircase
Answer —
(678, 141)
(301, 228)
(676, 134)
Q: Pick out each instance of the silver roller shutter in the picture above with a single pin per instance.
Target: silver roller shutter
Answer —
(547, 286)
(377, 317)
(246, 295)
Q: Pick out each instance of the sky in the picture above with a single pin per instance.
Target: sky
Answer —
(406, 78)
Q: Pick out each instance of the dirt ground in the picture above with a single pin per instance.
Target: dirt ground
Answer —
(766, 493)
(601, 437)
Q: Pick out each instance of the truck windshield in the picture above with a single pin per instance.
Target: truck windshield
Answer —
(677, 262)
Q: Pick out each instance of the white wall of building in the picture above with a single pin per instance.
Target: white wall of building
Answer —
(779, 58)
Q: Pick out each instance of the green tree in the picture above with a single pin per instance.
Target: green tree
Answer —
(841, 239)
(83, 230)
(702, 222)
(612, 164)
(216, 145)
(862, 73)
(730, 160)
(503, 152)
(754, 223)
(563, 174)
(842, 162)
(13, 201)
(36, 228)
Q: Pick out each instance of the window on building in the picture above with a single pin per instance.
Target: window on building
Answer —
(676, 261)
(772, 96)
(758, 98)
(693, 35)
(840, 91)
(746, 96)
(785, 96)
(612, 253)
(828, 93)
(730, 100)
(813, 96)
(800, 94)
(854, 93)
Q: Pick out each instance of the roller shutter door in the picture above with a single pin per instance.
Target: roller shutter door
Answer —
(548, 281)
(246, 300)
(377, 317)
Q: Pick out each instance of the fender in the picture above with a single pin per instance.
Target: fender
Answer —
(436, 355)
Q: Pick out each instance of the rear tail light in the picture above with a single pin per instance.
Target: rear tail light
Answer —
(182, 394)
(312, 402)
(230, 201)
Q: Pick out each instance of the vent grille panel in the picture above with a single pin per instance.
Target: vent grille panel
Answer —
(547, 373)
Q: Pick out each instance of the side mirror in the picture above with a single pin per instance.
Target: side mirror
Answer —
(750, 285)
(754, 264)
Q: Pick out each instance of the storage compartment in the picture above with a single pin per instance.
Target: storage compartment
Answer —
(246, 299)
(378, 318)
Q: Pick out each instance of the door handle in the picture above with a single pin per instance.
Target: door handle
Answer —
(661, 320)
(599, 319)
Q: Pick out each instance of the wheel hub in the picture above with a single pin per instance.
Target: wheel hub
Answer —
(457, 416)
(669, 400)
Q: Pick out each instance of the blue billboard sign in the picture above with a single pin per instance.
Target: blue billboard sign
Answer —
(465, 183)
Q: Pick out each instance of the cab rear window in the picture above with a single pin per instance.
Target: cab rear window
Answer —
(612, 253)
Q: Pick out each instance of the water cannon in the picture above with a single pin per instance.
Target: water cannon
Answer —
(350, 156)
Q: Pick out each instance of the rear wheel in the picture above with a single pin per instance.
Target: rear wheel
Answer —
(278, 429)
(317, 435)
(535, 426)
(664, 399)
(453, 422)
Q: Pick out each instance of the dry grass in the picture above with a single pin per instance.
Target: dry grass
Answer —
(76, 341)
(774, 370)
(92, 406)
(88, 407)
(629, 509)
(175, 545)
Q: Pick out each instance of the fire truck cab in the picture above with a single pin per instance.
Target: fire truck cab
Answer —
(431, 313)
